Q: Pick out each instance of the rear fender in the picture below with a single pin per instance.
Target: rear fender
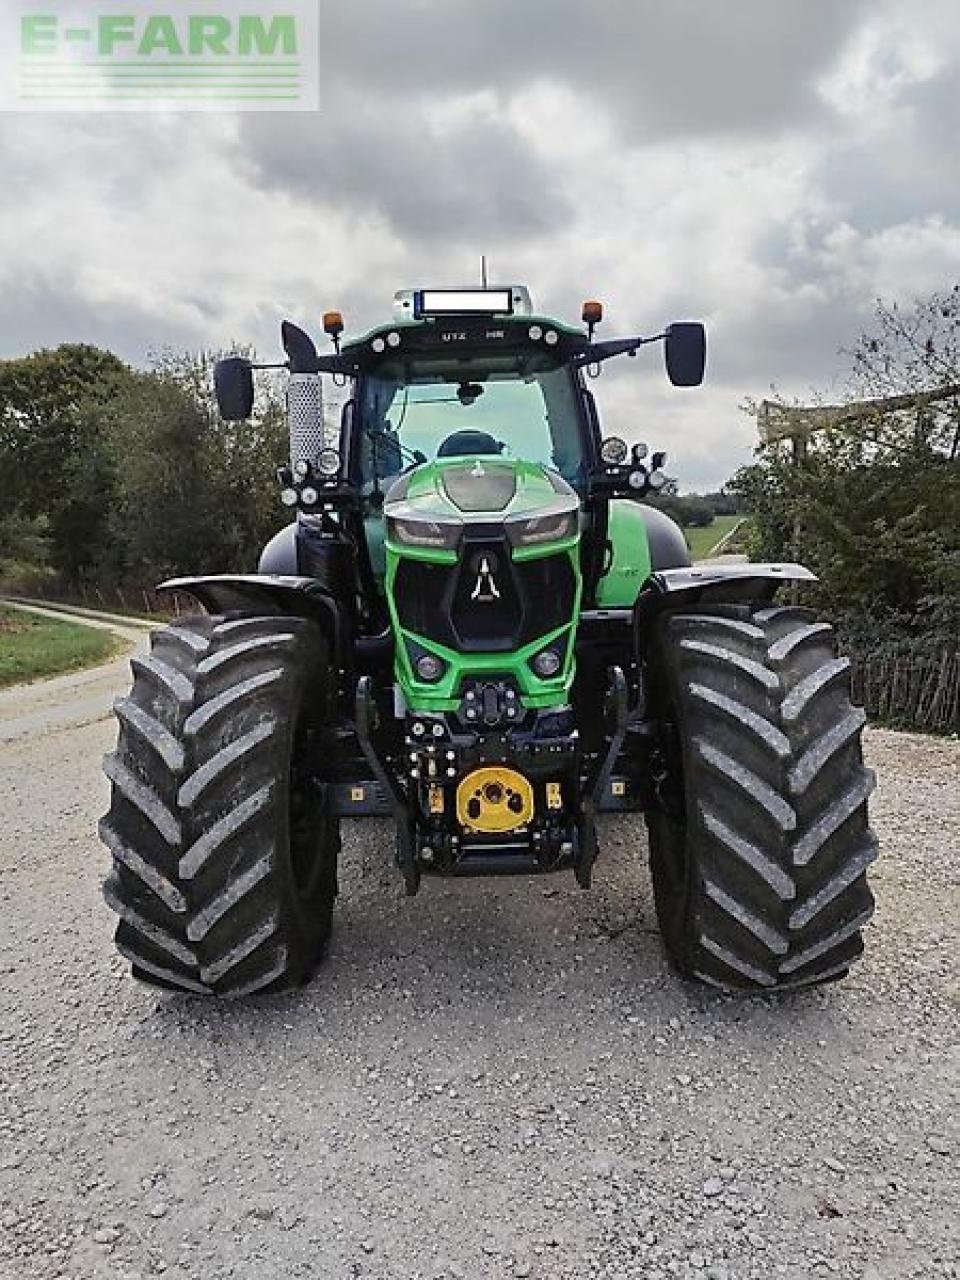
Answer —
(271, 594)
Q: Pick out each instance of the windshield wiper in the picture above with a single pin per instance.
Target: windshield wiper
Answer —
(413, 456)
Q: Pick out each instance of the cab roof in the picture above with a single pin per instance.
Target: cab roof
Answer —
(448, 332)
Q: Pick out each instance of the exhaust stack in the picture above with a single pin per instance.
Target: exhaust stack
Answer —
(305, 417)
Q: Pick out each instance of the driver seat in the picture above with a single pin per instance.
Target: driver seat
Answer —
(469, 443)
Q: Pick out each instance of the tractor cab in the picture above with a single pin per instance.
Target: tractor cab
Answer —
(472, 373)
(436, 387)
(442, 383)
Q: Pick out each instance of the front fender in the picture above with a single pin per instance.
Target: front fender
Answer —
(271, 594)
(714, 584)
(280, 557)
(702, 577)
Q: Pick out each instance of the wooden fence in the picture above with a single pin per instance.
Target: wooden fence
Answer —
(909, 690)
(109, 599)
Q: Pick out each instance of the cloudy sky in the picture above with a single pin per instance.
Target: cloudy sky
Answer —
(769, 166)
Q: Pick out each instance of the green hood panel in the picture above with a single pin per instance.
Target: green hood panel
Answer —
(440, 513)
(630, 564)
(482, 489)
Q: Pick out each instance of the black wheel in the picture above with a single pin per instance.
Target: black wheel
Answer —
(224, 850)
(759, 847)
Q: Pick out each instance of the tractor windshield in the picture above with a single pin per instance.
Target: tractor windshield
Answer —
(421, 410)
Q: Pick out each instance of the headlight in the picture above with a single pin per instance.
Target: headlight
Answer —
(424, 533)
(328, 464)
(613, 451)
(552, 528)
(430, 668)
(546, 663)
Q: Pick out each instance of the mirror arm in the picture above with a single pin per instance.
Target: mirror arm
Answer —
(348, 365)
(318, 364)
(597, 352)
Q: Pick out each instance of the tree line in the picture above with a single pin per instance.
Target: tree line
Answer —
(118, 476)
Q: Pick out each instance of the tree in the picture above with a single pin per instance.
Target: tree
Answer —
(52, 464)
(238, 461)
(125, 477)
(689, 510)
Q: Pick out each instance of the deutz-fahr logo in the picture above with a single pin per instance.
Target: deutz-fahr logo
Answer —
(485, 589)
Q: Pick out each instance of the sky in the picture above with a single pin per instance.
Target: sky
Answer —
(768, 166)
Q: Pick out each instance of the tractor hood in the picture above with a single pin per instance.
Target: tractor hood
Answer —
(431, 506)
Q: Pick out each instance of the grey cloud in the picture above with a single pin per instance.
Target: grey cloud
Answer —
(40, 313)
(908, 170)
(662, 68)
(730, 191)
(123, 153)
(476, 180)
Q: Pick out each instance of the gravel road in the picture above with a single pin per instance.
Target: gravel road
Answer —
(495, 1079)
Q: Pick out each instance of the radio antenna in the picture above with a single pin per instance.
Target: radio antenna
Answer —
(483, 269)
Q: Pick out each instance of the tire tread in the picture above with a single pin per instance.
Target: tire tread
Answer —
(775, 801)
(198, 826)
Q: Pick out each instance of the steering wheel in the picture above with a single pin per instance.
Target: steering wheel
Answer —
(469, 443)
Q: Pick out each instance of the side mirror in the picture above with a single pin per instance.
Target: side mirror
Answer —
(233, 383)
(685, 352)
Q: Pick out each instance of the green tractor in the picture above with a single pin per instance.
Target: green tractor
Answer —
(475, 624)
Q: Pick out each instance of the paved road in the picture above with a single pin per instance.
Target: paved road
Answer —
(495, 1079)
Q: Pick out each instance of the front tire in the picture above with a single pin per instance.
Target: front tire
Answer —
(760, 844)
(224, 849)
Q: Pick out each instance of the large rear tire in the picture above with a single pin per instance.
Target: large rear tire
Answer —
(224, 850)
(760, 846)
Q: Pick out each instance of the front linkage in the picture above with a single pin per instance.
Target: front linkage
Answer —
(513, 798)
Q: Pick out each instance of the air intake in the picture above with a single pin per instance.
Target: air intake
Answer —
(305, 417)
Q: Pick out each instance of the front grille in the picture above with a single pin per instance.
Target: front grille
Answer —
(487, 613)
(485, 603)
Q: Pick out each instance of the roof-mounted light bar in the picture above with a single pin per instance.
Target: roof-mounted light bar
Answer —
(503, 300)
(463, 302)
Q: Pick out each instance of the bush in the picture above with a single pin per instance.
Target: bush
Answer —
(873, 508)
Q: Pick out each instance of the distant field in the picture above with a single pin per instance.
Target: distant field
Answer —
(32, 647)
(702, 541)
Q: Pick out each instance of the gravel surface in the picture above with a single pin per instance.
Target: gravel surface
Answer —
(495, 1079)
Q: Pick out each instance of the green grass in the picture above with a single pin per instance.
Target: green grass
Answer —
(702, 541)
(32, 647)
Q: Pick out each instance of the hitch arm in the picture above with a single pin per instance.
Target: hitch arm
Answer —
(366, 726)
(618, 703)
(366, 713)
